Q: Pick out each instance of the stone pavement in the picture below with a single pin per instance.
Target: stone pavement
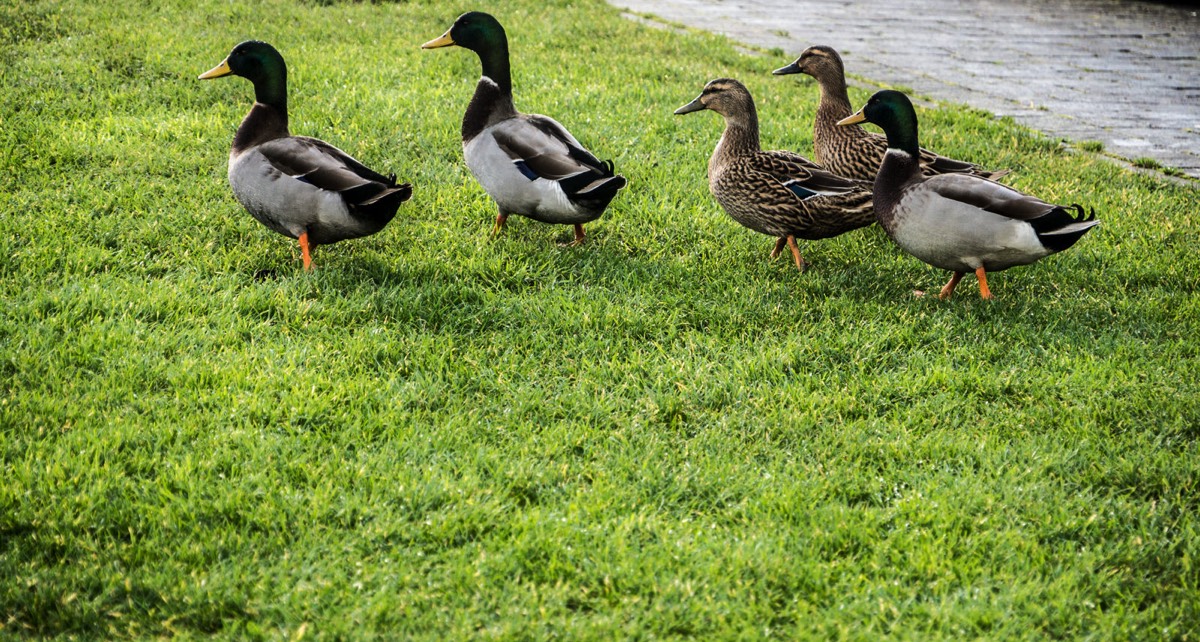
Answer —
(1122, 72)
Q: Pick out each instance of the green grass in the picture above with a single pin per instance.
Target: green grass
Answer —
(660, 434)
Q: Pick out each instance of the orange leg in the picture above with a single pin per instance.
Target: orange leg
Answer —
(578, 236)
(304, 251)
(981, 274)
(779, 246)
(948, 290)
(800, 264)
(501, 219)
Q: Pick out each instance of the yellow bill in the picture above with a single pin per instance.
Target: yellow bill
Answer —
(853, 119)
(443, 40)
(218, 71)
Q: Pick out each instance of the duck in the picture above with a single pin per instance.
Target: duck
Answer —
(298, 186)
(959, 222)
(777, 193)
(853, 151)
(528, 163)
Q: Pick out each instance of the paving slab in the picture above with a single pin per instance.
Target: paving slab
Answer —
(1122, 72)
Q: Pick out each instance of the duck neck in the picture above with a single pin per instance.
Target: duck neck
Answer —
(740, 138)
(495, 65)
(904, 139)
(268, 119)
(271, 88)
(493, 99)
(835, 102)
(900, 166)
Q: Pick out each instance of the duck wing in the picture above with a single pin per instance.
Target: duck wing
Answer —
(989, 196)
(539, 147)
(784, 195)
(542, 148)
(324, 166)
(804, 177)
(1054, 224)
(366, 192)
(783, 186)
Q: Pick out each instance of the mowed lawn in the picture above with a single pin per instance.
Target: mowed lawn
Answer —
(661, 434)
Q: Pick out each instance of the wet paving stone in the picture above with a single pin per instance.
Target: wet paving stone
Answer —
(1121, 72)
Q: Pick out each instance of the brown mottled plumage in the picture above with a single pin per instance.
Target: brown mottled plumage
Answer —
(777, 193)
(853, 151)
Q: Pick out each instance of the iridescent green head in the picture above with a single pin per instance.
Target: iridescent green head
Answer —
(261, 64)
(482, 33)
(893, 112)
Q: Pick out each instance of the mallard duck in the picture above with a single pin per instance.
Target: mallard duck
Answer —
(776, 193)
(528, 163)
(959, 222)
(853, 151)
(299, 186)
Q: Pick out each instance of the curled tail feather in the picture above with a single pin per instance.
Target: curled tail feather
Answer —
(1063, 226)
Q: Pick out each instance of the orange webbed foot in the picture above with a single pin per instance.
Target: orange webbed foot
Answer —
(984, 292)
(779, 245)
(800, 262)
(948, 289)
(305, 252)
(579, 236)
(501, 220)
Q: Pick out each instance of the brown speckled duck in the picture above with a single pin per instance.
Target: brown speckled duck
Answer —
(776, 193)
(853, 151)
(959, 222)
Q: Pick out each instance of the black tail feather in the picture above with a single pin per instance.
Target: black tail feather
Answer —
(591, 190)
(375, 201)
(1060, 228)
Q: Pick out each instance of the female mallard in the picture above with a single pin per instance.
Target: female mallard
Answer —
(528, 163)
(299, 186)
(959, 222)
(776, 193)
(853, 151)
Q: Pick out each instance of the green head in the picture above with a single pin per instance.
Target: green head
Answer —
(261, 64)
(482, 33)
(893, 112)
